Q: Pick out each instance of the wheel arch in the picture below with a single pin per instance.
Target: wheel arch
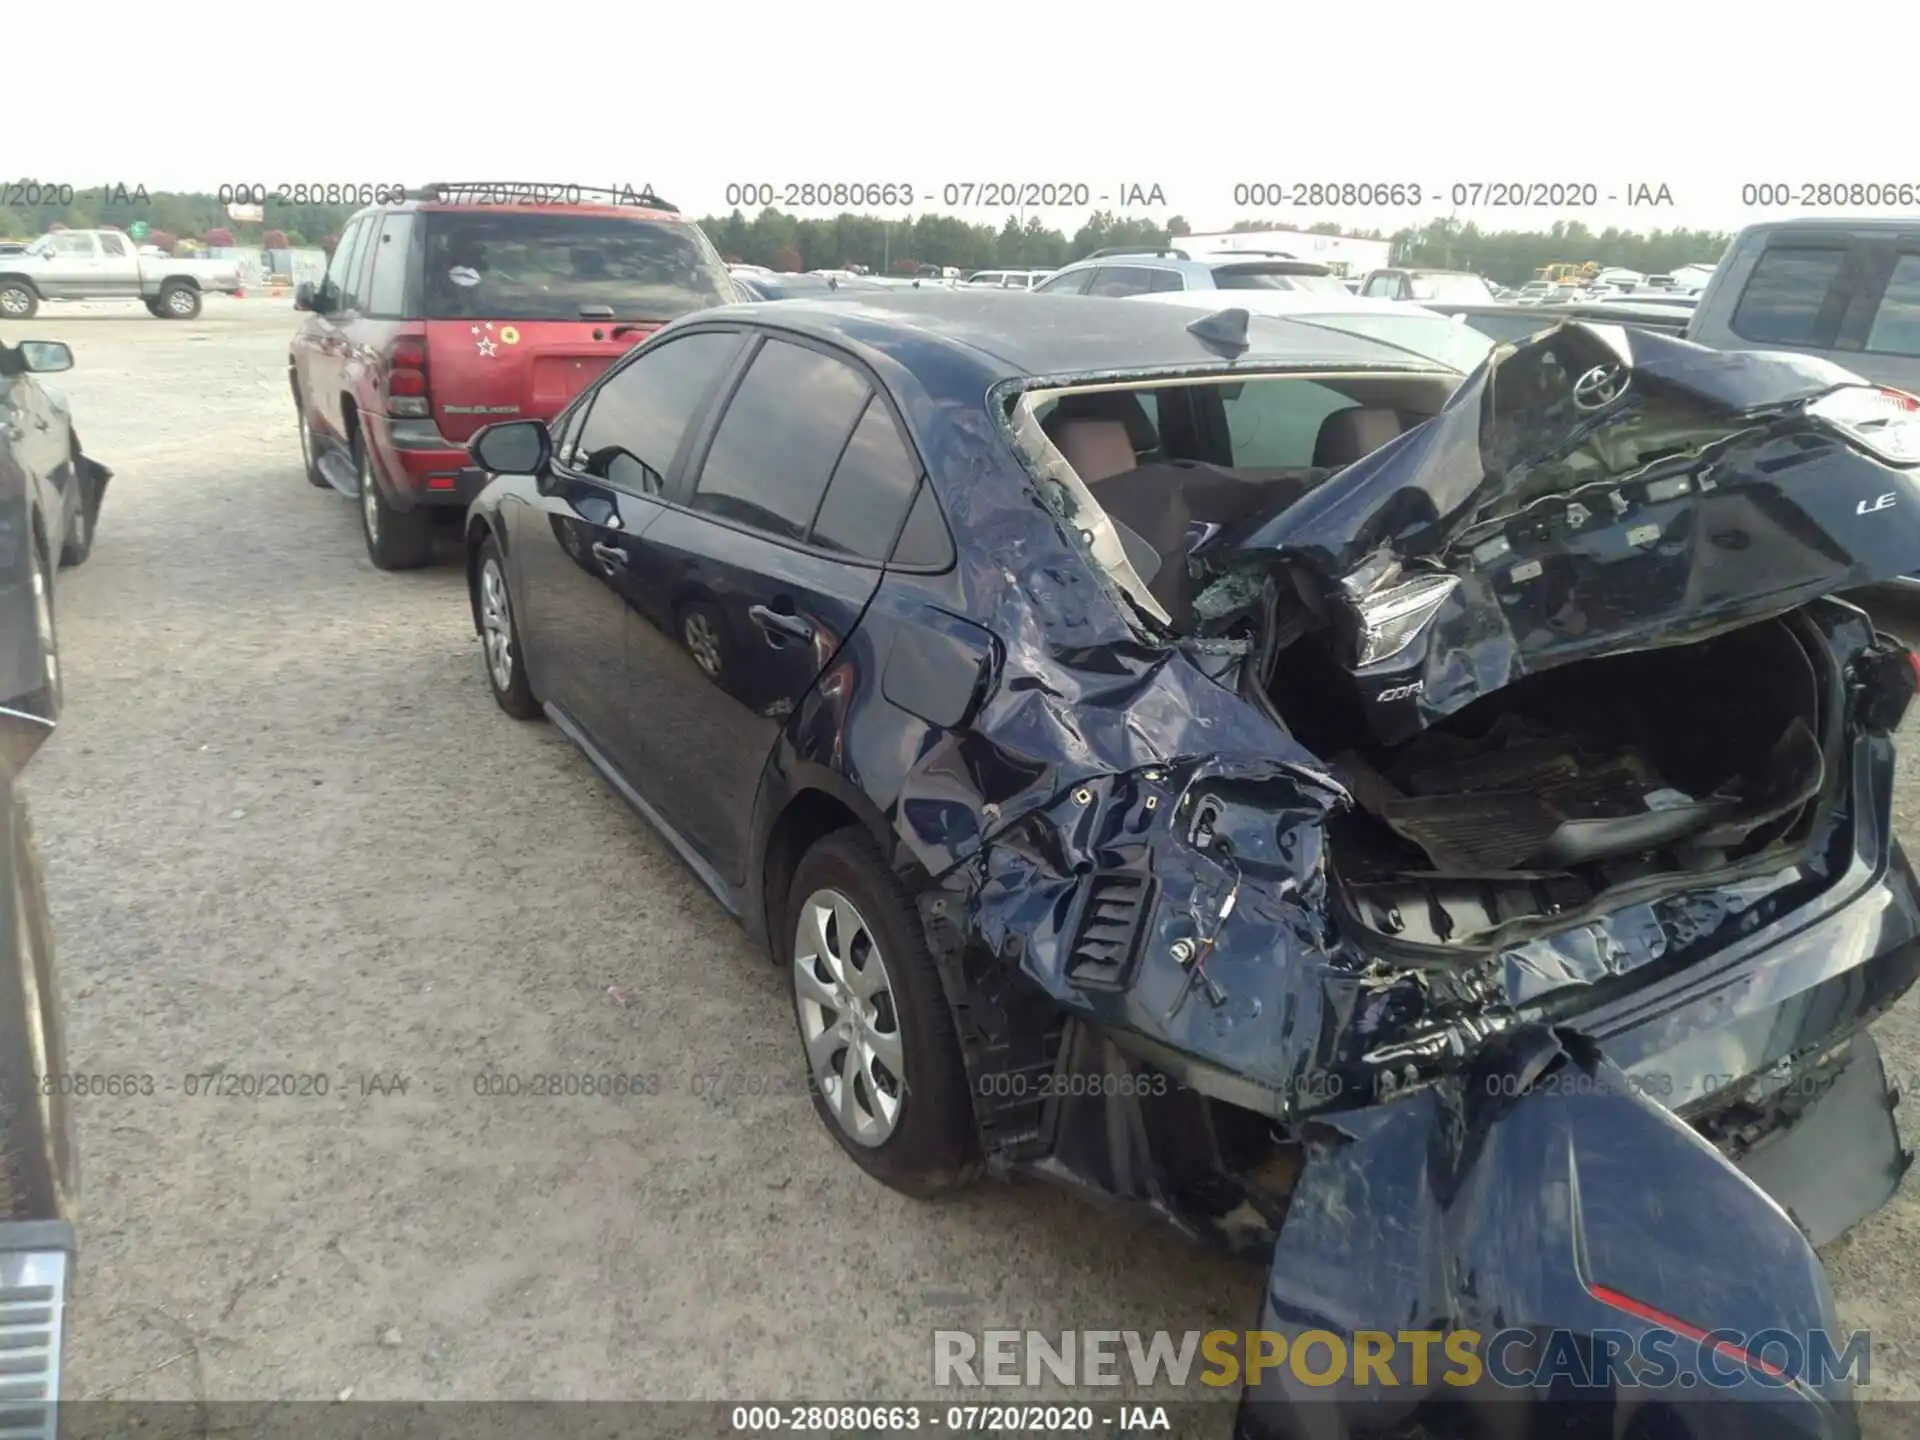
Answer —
(813, 807)
(187, 280)
(15, 277)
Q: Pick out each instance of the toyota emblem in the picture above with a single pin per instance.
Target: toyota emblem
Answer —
(1600, 387)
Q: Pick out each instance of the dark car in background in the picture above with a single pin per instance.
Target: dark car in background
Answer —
(442, 313)
(1231, 766)
(38, 1173)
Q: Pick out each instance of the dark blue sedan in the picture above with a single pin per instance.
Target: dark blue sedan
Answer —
(1432, 829)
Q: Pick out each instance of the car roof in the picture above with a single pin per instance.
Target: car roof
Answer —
(1013, 336)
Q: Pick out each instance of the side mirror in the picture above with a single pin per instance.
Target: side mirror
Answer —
(303, 295)
(45, 357)
(512, 447)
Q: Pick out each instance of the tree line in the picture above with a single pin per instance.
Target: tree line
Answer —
(784, 241)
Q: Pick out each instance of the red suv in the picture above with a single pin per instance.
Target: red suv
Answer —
(465, 305)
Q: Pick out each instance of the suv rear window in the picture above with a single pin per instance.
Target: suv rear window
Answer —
(1270, 276)
(1781, 303)
(521, 265)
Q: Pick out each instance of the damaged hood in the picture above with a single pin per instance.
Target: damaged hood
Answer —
(1592, 490)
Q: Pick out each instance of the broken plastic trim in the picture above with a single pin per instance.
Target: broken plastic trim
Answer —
(1393, 615)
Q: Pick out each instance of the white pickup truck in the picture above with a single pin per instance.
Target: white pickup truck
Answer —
(106, 265)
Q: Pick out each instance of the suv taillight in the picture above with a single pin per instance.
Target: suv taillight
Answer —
(407, 380)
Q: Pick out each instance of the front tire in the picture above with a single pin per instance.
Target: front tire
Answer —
(500, 637)
(878, 1039)
(38, 1176)
(18, 300)
(178, 301)
(78, 543)
(396, 539)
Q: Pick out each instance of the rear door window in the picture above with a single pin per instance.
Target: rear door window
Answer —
(781, 436)
(1121, 280)
(1167, 280)
(872, 487)
(1896, 324)
(114, 246)
(545, 265)
(387, 286)
(640, 416)
(1786, 297)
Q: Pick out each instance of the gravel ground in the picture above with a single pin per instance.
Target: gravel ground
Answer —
(287, 832)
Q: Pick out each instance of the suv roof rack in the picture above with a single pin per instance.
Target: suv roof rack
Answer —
(1157, 250)
(544, 192)
(1258, 255)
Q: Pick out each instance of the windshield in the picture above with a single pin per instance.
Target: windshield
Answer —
(1464, 289)
(517, 265)
(1282, 276)
(1433, 337)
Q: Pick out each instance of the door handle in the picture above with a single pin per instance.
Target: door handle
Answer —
(612, 557)
(780, 628)
(41, 424)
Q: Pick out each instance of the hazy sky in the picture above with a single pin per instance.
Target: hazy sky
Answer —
(690, 98)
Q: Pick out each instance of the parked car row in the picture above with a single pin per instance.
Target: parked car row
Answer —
(1288, 760)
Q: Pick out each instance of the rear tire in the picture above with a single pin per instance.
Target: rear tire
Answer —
(913, 1131)
(501, 649)
(396, 539)
(18, 300)
(177, 301)
(309, 453)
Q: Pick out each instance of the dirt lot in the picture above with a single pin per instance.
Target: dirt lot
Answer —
(287, 832)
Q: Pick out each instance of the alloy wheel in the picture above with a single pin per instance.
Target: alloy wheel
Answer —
(369, 500)
(703, 642)
(43, 623)
(13, 302)
(496, 623)
(180, 302)
(848, 1017)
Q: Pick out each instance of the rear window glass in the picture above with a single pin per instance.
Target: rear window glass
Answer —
(1273, 277)
(1781, 304)
(518, 265)
(779, 440)
(1896, 324)
(1276, 423)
